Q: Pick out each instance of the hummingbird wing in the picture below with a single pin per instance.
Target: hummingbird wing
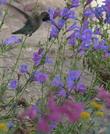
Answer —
(19, 12)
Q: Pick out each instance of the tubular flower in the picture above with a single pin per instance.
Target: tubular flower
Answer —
(23, 69)
(37, 56)
(12, 40)
(13, 84)
(57, 82)
(40, 76)
(72, 3)
(73, 75)
(58, 24)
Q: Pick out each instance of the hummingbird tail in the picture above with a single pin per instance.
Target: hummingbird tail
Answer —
(18, 32)
(15, 32)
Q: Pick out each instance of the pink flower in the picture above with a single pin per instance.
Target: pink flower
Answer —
(104, 95)
(72, 110)
(54, 114)
(43, 125)
(52, 104)
(31, 112)
(69, 109)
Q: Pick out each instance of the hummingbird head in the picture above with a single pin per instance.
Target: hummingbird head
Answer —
(45, 16)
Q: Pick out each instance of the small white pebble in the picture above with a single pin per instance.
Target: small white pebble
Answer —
(30, 49)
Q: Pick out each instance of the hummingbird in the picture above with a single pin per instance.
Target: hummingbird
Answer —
(32, 22)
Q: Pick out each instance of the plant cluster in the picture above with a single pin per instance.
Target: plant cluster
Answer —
(79, 34)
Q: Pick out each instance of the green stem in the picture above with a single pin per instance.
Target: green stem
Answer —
(15, 65)
(6, 12)
(62, 61)
(57, 57)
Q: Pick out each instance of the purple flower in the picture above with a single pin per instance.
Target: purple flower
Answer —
(81, 87)
(3, 2)
(77, 34)
(53, 13)
(98, 12)
(86, 35)
(85, 25)
(107, 20)
(88, 12)
(107, 54)
(85, 45)
(72, 27)
(23, 68)
(103, 46)
(10, 124)
(61, 23)
(12, 40)
(75, 3)
(53, 125)
(66, 13)
(40, 76)
(107, 5)
(62, 93)
(70, 83)
(100, 45)
(96, 43)
(54, 31)
(13, 84)
(73, 75)
(48, 60)
(57, 81)
(97, 31)
(72, 40)
(37, 56)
